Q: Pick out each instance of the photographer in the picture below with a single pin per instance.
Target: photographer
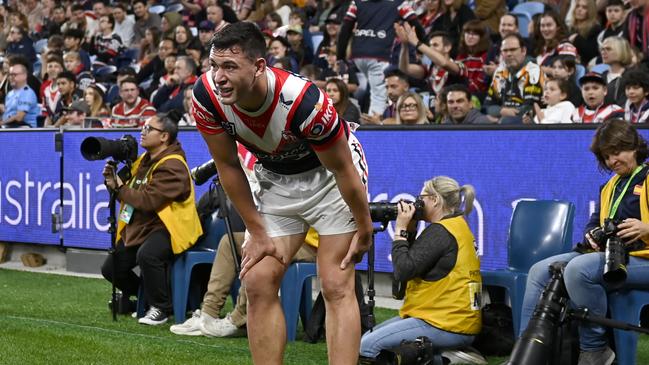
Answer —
(157, 218)
(619, 149)
(442, 270)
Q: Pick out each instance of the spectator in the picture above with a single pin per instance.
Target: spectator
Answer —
(133, 110)
(615, 18)
(432, 10)
(144, 20)
(170, 94)
(54, 22)
(214, 14)
(455, 14)
(472, 56)
(149, 46)
(107, 44)
(507, 100)
(302, 51)
(584, 28)
(438, 50)
(94, 97)
(559, 109)
(155, 69)
(553, 39)
(34, 11)
(410, 110)
(49, 90)
(205, 32)
(124, 24)
(81, 21)
(196, 51)
(460, 108)
(595, 109)
(33, 82)
(369, 52)
(337, 91)
(396, 84)
(279, 48)
(338, 70)
(74, 116)
(490, 12)
(168, 24)
(636, 25)
(508, 25)
(565, 68)
(329, 39)
(188, 117)
(636, 87)
(273, 22)
(20, 43)
(72, 62)
(617, 53)
(112, 96)
(99, 8)
(72, 40)
(67, 85)
(21, 105)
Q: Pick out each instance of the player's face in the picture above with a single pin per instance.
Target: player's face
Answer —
(234, 74)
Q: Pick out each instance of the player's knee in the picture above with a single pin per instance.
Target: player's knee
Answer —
(337, 288)
(262, 283)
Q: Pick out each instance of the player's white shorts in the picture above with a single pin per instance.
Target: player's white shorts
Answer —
(290, 204)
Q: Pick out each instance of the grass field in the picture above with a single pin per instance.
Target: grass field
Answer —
(54, 319)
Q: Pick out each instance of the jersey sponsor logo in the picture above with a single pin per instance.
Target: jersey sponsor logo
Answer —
(369, 33)
(381, 34)
(229, 128)
(285, 103)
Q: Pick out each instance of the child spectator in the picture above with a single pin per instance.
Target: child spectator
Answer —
(594, 109)
(615, 17)
(565, 68)
(636, 88)
(559, 109)
(107, 45)
(49, 90)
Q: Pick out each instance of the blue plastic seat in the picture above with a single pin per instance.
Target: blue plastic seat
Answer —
(538, 229)
(625, 306)
(530, 8)
(600, 68)
(295, 295)
(580, 71)
(203, 252)
(524, 20)
(316, 39)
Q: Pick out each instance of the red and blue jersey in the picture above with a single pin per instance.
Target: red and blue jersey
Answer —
(295, 119)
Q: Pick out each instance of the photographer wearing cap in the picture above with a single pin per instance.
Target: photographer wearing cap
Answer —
(620, 149)
(157, 217)
(442, 270)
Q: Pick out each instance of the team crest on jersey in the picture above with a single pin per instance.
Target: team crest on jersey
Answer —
(289, 137)
(285, 103)
(229, 128)
(317, 129)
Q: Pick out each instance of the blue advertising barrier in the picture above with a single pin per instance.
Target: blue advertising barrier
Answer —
(504, 166)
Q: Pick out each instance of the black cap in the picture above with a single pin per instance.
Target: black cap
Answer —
(333, 18)
(592, 77)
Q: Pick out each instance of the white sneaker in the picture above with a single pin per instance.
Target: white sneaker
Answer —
(214, 327)
(464, 356)
(191, 327)
(154, 317)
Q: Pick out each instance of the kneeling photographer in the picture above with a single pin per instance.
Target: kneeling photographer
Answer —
(157, 217)
(619, 224)
(442, 271)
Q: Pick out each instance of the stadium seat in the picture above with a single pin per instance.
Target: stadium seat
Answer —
(600, 68)
(316, 39)
(530, 8)
(203, 252)
(538, 229)
(524, 20)
(626, 306)
(580, 71)
(296, 295)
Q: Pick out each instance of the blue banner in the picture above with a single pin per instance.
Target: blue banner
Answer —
(504, 166)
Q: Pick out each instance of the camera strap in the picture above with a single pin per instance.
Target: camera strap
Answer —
(616, 204)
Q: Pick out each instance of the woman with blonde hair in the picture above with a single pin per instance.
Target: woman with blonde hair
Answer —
(94, 97)
(411, 109)
(584, 26)
(618, 54)
(439, 272)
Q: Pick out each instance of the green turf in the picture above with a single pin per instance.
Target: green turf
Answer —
(54, 319)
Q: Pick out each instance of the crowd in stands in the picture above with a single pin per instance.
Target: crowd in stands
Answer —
(381, 62)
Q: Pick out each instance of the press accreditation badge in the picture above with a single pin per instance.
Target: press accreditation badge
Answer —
(126, 213)
(475, 295)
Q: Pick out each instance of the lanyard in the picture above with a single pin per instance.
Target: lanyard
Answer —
(619, 198)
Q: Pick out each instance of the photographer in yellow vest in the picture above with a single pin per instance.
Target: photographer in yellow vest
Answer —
(442, 270)
(157, 218)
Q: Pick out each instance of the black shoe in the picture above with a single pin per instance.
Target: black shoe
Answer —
(154, 317)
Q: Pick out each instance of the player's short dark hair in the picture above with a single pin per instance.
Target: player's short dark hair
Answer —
(244, 35)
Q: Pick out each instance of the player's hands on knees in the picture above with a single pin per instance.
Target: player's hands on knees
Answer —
(256, 248)
(361, 243)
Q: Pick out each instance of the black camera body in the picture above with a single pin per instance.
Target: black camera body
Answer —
(615, 252)
(385, 212)
(99, 148)
(417, 352)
